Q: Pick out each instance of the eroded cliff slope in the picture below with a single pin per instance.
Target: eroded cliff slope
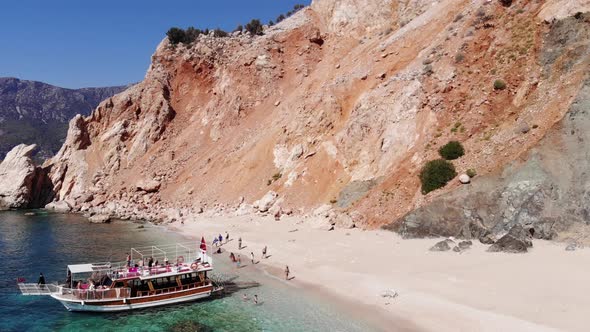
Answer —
(341, 104)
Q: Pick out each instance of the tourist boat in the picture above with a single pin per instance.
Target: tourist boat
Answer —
(154, 276)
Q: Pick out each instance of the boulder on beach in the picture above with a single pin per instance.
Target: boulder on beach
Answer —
(343, 220)
(517, 240)
(100, 219)
(265, 203)
(444, 245)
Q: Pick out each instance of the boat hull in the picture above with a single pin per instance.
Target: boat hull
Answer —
(119, 305)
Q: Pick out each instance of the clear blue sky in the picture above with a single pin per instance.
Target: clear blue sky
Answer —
(86, 43)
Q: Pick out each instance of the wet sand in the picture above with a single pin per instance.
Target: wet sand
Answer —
(544, 290)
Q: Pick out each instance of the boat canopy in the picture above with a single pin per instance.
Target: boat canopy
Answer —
(86, 268)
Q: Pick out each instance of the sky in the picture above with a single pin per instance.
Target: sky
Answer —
(92, 43)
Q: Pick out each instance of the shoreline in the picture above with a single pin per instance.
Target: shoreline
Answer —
(443, 291)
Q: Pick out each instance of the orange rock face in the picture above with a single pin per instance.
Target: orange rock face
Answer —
(334, 105)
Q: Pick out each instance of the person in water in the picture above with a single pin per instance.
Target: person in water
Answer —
(41, 279)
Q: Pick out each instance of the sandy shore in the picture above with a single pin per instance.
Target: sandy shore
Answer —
(547, 289)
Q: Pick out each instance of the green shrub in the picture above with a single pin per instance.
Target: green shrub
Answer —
(277, 176)
(451, 150)
(499, 85)
(471, 173)
(254, 27)
(436, 174)
(219, 33)
(176, 35)
(239, 28)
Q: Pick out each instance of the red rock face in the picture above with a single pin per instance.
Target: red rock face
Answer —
(348, 121)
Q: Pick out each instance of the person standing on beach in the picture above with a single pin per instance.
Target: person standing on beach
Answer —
(214, 243)
(252, 257)
(240, 243)
(287, 272)
(255, 299)
(226, 237)
(239, 263)
(264, 252)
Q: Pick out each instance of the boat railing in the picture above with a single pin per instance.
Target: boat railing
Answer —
(172, 289)
(95, 294)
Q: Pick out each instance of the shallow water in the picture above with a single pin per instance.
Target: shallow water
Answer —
(48, 242)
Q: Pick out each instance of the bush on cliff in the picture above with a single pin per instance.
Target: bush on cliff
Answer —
(254, 27)
(176, 35)
(452, 150)
(436, 174)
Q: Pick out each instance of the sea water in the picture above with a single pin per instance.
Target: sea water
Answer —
(49, 242)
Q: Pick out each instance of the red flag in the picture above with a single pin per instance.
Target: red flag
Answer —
(203, 244)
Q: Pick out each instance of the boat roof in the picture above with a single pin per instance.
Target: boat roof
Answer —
(89, 267)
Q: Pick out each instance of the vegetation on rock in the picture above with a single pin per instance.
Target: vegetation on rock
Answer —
(436, 174)
(452, 150)
(499, 85)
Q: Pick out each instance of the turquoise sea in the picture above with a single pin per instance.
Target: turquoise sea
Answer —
(48, 242)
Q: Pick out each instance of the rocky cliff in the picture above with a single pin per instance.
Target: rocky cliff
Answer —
(339, 107)
(35, 112)
(22, 183)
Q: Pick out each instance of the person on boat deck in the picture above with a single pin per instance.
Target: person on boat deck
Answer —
(41, 279)
(156, 263)
(128, 259)
(150, 262)
(69, 278)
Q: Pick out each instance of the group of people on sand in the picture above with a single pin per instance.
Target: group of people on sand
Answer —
(237, 259)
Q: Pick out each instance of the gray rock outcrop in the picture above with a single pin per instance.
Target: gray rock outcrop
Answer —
(517, 240)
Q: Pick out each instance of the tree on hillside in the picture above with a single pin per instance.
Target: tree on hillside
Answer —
(176, 35)
(254, 27)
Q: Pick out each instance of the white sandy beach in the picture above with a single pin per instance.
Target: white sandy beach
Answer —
(546, 289)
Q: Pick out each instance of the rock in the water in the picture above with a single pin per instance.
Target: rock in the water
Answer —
(21, 182)
(517, 240)
(100, 219)
(267, 201)
(464, 178)
(442, 246)
(59, 206)
(149, 186)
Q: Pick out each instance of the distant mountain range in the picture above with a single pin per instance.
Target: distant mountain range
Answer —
(36, 112)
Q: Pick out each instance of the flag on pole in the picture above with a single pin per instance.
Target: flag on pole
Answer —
(203, 244)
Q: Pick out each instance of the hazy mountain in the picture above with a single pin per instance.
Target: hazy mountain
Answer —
(35, 112)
